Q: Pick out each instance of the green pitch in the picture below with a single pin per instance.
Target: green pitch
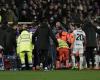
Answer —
(50, 75)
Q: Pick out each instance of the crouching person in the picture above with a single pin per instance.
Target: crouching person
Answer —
(63, 50)
(25, 46)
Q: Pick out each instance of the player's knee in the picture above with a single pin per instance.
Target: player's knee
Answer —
(81, 55)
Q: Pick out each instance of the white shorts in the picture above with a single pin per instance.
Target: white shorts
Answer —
(78, 50)
(1, 47)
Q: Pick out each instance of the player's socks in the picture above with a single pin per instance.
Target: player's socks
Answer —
(99, 58)
(97, 61)
(67, 63)
(81, 63)
(46, 69)
(84, 62)
(41, 65)
(73, 61)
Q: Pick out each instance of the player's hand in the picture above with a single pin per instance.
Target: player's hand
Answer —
(57, 48)
(71, 47)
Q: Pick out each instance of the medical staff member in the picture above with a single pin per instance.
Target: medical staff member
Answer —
(24, 45)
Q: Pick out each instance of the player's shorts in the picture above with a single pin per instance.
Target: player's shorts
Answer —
(63, 54)
(78, 50)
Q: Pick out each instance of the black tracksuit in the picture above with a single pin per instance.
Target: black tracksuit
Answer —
(91, 43)
(43, 33)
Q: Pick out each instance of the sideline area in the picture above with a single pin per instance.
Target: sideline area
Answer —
(50, 75)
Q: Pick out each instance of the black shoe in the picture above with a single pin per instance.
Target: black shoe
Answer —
(23, 68)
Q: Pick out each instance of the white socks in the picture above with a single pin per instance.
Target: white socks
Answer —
(81, 63)
(73, 60)
(84, 62)
(97, 60)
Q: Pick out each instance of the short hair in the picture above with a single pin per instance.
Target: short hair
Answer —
(78, 25)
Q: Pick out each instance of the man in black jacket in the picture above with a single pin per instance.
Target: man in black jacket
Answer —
(4, 25)
(2, 45)
(43, 33)
(90, 30)
(7, 39)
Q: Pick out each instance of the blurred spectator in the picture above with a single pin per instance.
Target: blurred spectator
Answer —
(24, 16)
(15, 10)
(32, 10)
(11, 16)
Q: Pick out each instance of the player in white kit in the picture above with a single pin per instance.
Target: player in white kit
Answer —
(78, 46)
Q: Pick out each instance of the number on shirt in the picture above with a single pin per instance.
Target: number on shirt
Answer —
(79, 37)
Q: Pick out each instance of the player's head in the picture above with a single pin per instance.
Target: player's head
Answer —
(72, 26)
(59, 29)
(78, 25)
(58, 24)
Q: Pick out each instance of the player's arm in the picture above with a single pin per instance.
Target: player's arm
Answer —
(84, 39)
(53, 37)
(73, 40)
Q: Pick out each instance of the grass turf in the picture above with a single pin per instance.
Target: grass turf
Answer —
(50, 75)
